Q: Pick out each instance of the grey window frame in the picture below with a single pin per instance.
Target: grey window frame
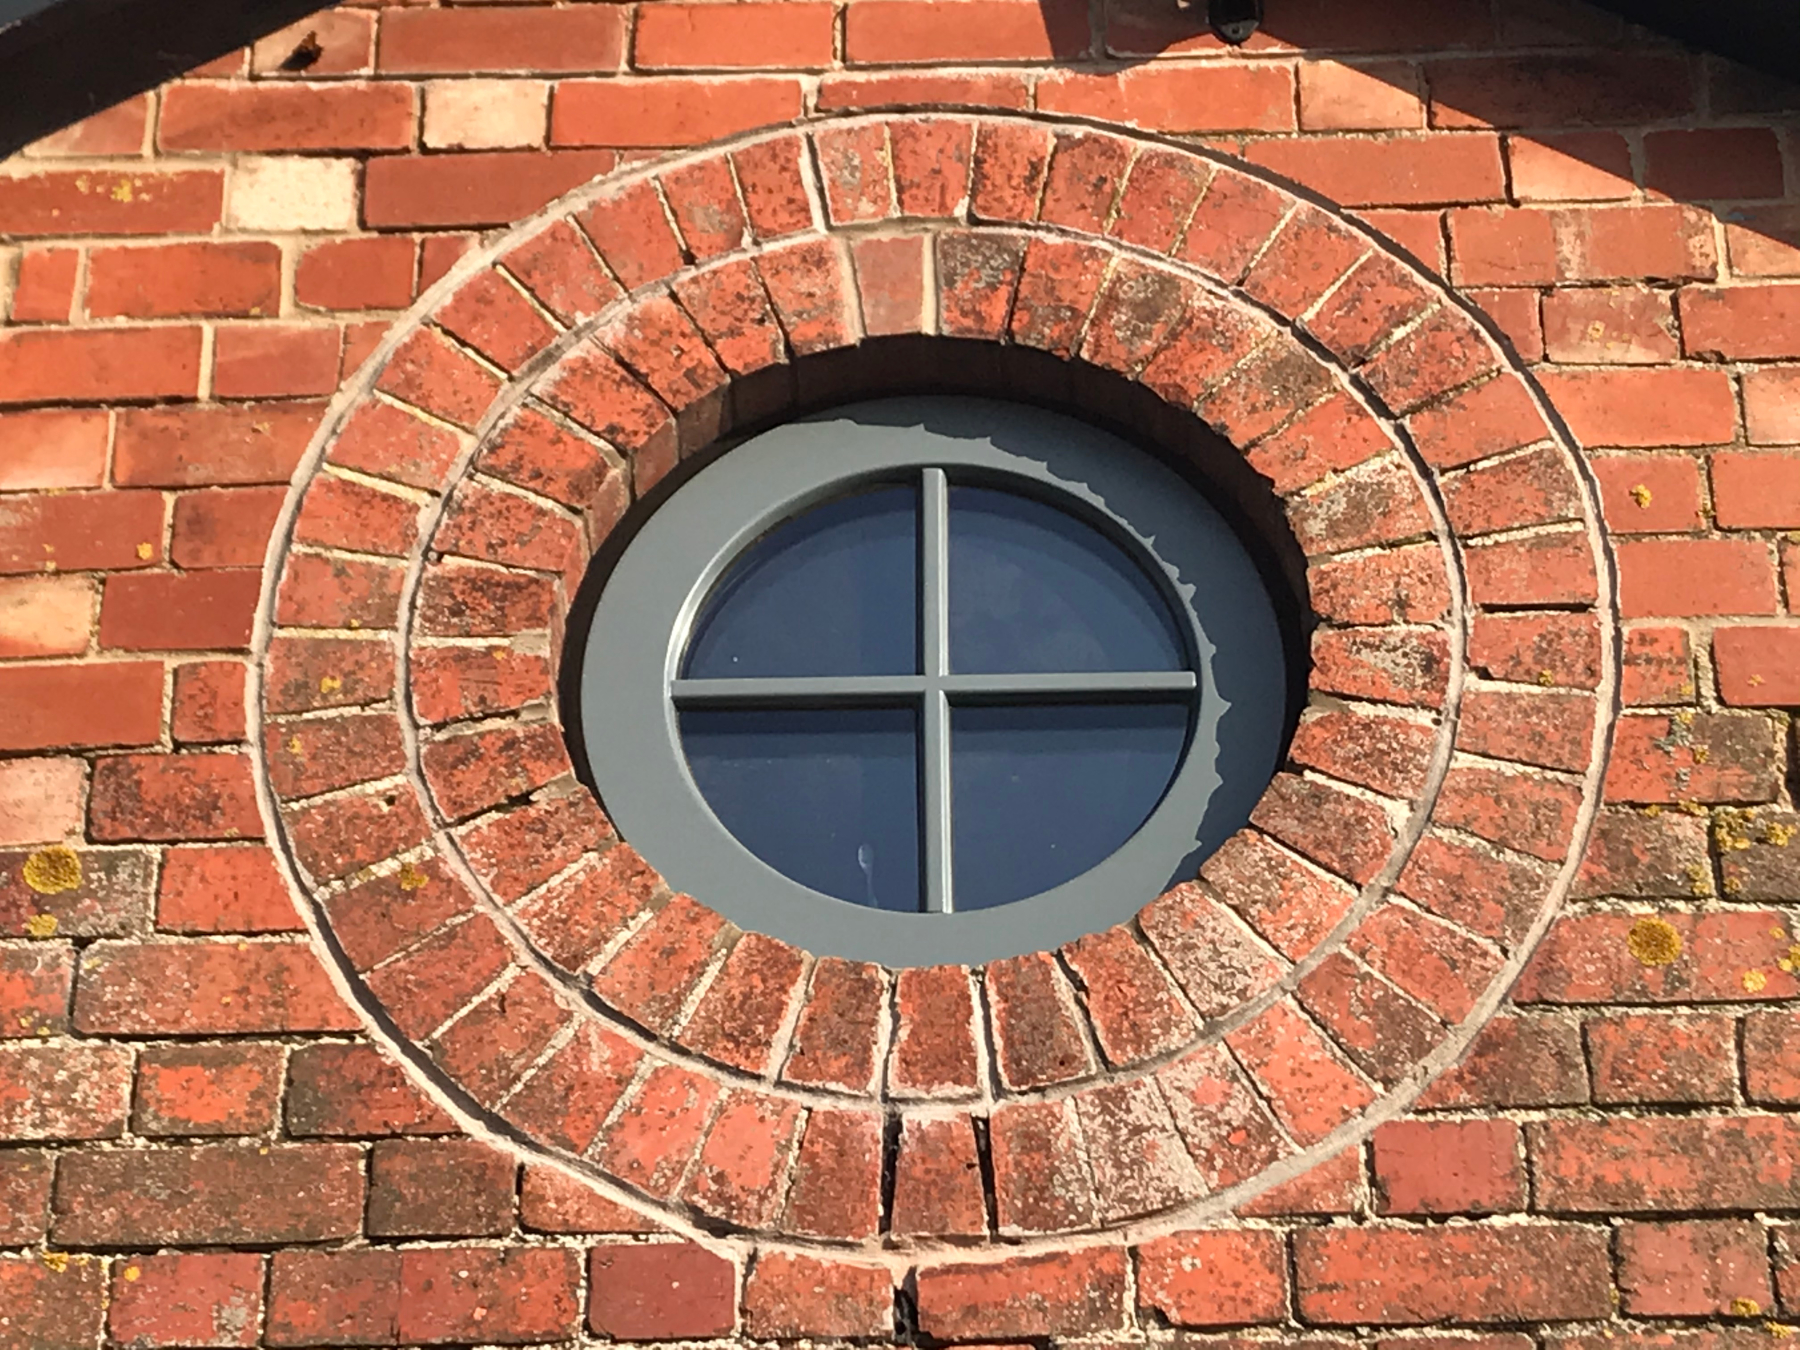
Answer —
(630, 687)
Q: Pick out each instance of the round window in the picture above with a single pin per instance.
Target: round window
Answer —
(932, 680)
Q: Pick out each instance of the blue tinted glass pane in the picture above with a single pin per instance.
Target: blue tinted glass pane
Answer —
(1041, 794)
(832, 592)
(829, 797)
(1034, 589)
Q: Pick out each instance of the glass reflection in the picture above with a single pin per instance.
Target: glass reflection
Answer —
(833, 591)
(829, 797)
(1041, 794)
(1033, 589)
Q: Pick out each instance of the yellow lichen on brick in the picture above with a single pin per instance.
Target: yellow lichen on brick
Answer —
(1755, 981)
(41, 926)
(412, 878)
(1653, 941)
(50, 871)
(1641, 495)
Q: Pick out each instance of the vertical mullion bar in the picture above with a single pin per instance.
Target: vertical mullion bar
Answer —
(934, 615)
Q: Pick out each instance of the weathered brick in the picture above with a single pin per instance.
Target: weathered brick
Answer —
(207, 1089)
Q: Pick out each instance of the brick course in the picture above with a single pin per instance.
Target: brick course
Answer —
(184, 279)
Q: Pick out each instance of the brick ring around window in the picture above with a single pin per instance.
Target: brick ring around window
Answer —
(1333, 956)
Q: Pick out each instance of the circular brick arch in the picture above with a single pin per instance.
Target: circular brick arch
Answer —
(1331, 957)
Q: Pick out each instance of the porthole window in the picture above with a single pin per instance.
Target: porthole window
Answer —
(929, 680)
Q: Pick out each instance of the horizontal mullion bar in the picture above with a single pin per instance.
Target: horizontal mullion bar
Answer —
(822, 689)
(1102, 685)
(840, 690)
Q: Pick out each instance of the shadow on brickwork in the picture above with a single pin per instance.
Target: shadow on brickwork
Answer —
(1515, 65)
(83, 56)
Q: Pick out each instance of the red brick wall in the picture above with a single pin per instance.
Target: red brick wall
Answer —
(201, 1143)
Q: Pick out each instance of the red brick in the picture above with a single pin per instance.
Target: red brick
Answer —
(1037, 1035)
(1570, 166)
(661, 1292)
(527, 41)
(1042, 1180)
(1758, 667)
(49, 707)
(349, 116)
(1729, 162)
(208, 703)
(54, 448)
(667, 111)
(44, 291)
(772, 186)
(349, 1090)
(1008, 177)
(1709, 757)
(1310, 1088)
(1706, 1268)
(1290, 904)
(1683, 577)
(882, 32)
(1658, 667)
(187, 1300)
(840, 1022)
(1073, 1293)
(1613, 326)
(110, 897)
(275, 360)
(566, 1101)
(1134, 1011)
(937, 1180)
(427, 371)
(1756, 490)
(64, 1092)
(212, 444)
(1382, 1030)
(1552, 729)
(192, 611)
(466, 190)
(836, 1191)
(224, 527)
(223, 889)
(993, 89)
(1630, 1166)
(111, 202)
(1772, 405)
(25, 1198)
(1449, 1167)
(173, 797)
(1648, 494)
(739, 1020)
(552, 1201)
(50, 1309)
(1521, 810)
(1193, 98)
(209, 1195)
(43, 799)
(1772, 1058)
(1636, 854)
(207, 1089)
(34, 990)
(204, 988)
(100, 365)
(934, 1039)
(1426, 170)
(1211, 1279)
(657, 1134)
(374, 272)
(327, 1297)
(1387, 666)
(440, 1188)
(1538, 91)
(1211, 952)
(1516, 1061)
(741, 1173)
(1399, 1276)
(1553, 649)
(173, 280)
(1677, 1060)
(783, 36)
(789, 1295)
(1588, 958)
(114, 531)
(118, 130)
(517, 1295)
(1543, 569)
(1741, 323)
